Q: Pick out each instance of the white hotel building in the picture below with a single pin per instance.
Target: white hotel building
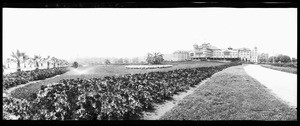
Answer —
(207, 51)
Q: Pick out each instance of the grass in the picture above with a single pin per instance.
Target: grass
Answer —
(283, 69)
(231, 95)
(101, 71)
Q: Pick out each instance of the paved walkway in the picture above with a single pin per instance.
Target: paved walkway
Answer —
(283, 84)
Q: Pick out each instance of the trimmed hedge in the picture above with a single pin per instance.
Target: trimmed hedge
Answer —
(282, 64)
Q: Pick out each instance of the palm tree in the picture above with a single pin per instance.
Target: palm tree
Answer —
(18, 58)
(54, 61)
(25, 59)
(155, 58)
(158, 57)
(31, 62)
(149, 58)
(37, 60)
(48, 59)
(43, 60)
(60, 62)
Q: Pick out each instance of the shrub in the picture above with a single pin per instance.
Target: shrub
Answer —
(75, 64)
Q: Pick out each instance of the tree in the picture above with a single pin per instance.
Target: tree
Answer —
(149, 58)
(294, 60)
(271, 59)
(37, 60)
(75, 64)
(284, 58)
(18, 57)
(54, 61)
(277, 58)
(58, 62)
(42, 61)
(30, 62)
(156, 58)
(262, 58)
(107, 62)
(48, 60)
(25, 59)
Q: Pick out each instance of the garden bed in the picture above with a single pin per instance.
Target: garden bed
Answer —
(107, 98)
(147, 66)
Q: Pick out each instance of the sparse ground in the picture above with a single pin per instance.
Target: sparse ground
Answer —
(101, 71)
(231, 95)
(284, 69)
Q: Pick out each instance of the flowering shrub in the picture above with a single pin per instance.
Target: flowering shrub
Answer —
(108, 98)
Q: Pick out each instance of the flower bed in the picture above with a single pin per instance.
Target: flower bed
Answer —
(107, 98)
(23, 77)
(147, 66)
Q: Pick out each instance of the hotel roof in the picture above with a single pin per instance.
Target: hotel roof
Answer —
(244, 49)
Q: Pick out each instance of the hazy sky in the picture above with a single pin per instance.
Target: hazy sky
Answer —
(95, 32)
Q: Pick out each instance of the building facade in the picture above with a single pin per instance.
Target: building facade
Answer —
(181, 56)
(207, 51)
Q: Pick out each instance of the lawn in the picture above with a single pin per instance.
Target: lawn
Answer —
(101, 71)
(231, 95)
(284, 69)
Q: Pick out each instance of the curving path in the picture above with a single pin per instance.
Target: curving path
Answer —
(282, 84)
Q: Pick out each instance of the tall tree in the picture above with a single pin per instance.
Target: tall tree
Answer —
(284, 58)
(18, 58)
(30, 62)
(48, 60)
(25, 59)
(149, 58)
(156, 58)
(54, 61)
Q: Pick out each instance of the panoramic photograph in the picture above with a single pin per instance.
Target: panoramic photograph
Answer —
(149, 64)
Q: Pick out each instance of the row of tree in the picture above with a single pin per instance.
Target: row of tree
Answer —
(21, 57)
(276, 59)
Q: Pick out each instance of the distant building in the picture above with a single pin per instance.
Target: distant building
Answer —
(207, 51)
(181, 56)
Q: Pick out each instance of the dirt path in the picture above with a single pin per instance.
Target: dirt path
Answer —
(282, 84)
(161, 109)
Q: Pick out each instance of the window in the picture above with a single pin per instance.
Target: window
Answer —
(192, 54)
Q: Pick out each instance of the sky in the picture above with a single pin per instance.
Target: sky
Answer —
(119, 32)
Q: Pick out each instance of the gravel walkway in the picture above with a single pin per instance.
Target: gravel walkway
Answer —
(282, 84)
